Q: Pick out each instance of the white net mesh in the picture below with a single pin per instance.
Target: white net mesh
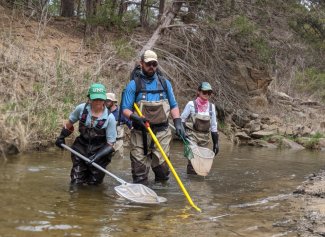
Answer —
(139, 193)
(202, 159)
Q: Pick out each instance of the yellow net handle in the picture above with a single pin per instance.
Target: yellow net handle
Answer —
(154, 138)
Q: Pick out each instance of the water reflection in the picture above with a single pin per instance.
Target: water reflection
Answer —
(246, 194)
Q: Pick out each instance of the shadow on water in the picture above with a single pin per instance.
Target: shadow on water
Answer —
(247, 193)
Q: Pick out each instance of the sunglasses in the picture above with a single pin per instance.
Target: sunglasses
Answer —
(206, 92)
(152, 63)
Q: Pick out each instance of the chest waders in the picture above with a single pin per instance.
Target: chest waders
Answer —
(199, 126)
(198, 130)
(90, 140)
(157, 113)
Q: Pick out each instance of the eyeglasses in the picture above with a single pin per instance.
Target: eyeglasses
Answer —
(152, 63)
(206, 92)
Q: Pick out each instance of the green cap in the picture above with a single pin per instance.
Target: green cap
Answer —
(97, 91)
(205, 86)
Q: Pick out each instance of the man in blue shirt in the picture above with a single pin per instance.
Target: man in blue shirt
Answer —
(155, 97)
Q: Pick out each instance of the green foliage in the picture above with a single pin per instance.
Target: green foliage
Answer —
(310, 143)
(263, 49)
(318, 135)
(310, 25)
(54, 7)
(312, 81)
(7, 107)
(49, 119)
(243, 26)
(124, 49)
(107, 16)
(247, 32)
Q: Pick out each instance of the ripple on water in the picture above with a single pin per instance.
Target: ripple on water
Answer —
(38, 226)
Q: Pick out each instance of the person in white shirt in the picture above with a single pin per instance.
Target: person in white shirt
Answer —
(200, 121)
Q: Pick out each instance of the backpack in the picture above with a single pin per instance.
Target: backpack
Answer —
(135, 75)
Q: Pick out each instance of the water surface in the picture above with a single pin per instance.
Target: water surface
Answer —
(246, 194)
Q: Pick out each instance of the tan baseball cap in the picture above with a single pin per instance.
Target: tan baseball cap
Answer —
(149, 56)
(111, 97)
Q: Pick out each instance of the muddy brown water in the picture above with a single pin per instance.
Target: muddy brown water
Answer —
(246, 194)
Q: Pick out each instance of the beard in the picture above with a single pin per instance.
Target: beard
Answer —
(149, 73)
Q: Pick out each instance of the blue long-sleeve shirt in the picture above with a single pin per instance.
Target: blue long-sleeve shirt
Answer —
(123, 119)
(151, 84)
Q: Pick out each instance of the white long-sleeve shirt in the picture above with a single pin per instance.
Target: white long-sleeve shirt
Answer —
(189, 110)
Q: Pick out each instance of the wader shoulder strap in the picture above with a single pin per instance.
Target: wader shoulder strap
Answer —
(195, 106)
(210, 109)
(84, 114)
(101, 122)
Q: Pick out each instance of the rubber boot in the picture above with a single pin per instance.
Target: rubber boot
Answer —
(161, 172)
(139, 171)
(190, 169)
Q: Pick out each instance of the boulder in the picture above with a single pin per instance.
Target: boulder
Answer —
(291, 144)
(262, 133)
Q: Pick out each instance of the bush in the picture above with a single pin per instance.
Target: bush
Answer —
(312, 81)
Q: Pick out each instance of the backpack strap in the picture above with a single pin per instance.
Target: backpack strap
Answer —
(140, 86)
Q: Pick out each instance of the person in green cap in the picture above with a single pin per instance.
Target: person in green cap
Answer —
(97, 128)
(200, 121)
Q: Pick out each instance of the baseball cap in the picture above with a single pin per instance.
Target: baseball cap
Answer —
(97, 91)
(205, 86)
(148, 56)
(111, 97)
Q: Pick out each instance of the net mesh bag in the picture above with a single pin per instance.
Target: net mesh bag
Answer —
(201, 158)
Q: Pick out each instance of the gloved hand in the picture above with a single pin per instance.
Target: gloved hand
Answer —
(215, 139)
(103, 153)
(179, 129)
(61, 138)
(140, 121)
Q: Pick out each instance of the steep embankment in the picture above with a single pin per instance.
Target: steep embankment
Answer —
(47, 65)
(45, 69)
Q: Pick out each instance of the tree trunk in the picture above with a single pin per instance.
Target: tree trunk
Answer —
(78, 7)
(67, 7)
(161, 9)
(122, 8)
(143, 13)
(168, 16)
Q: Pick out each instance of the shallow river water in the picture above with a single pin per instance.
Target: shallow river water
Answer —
(246, 194)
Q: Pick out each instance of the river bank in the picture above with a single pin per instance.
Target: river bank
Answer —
(311, 194)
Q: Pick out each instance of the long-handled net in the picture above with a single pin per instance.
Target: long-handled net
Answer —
(137, 193)
(201, 158)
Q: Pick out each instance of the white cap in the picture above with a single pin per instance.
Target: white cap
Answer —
(111, 97)
(149, 55)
